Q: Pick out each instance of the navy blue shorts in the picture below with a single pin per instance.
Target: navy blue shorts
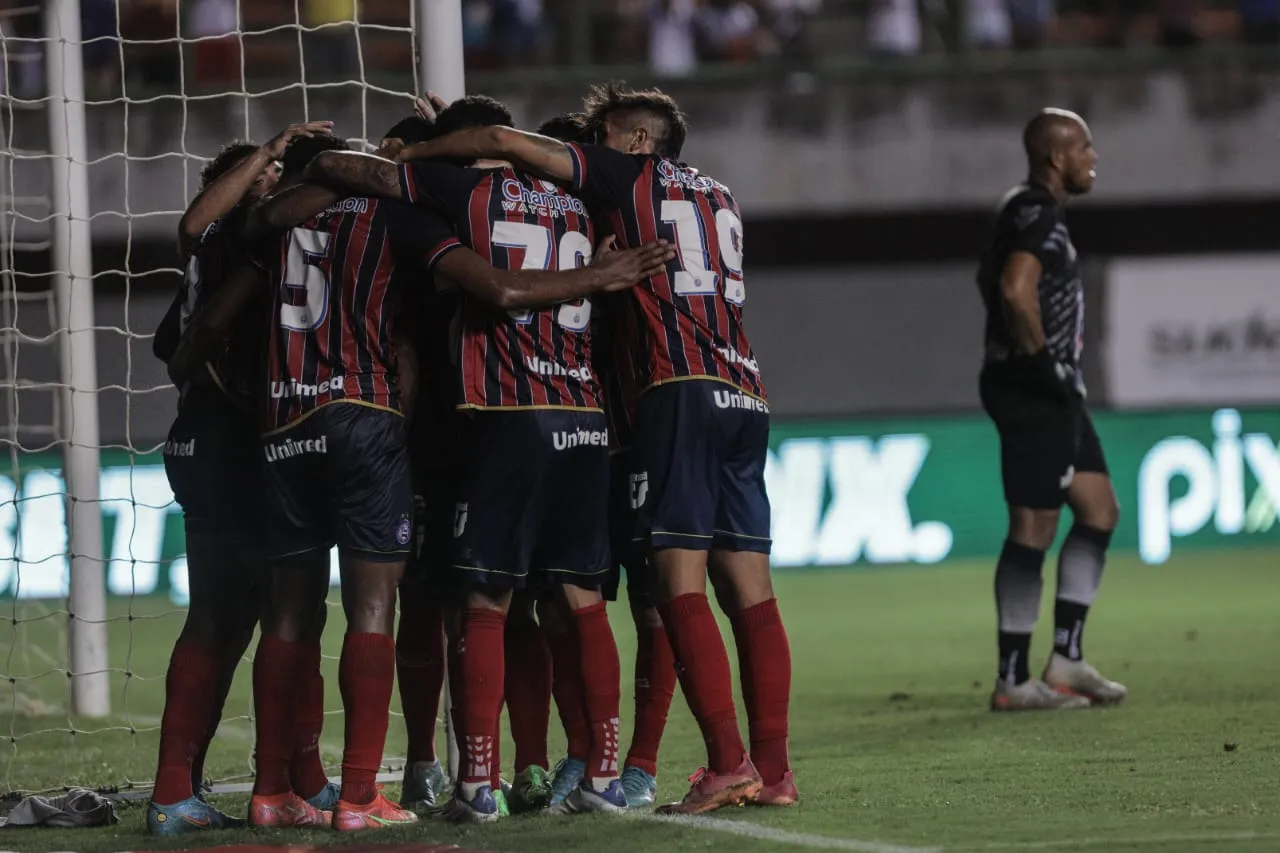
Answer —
(213, 460)
(340, 477)
(700, 449)
(434, 498)
(533, 509)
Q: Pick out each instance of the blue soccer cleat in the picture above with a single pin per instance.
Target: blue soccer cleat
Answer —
(585, 799)
(641, 788)
(567, 775)
(327, 799)
(190, 815)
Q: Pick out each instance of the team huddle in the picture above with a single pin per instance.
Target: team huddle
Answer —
(495, 369)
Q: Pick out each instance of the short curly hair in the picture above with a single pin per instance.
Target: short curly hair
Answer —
(612, 98)
(225, 160)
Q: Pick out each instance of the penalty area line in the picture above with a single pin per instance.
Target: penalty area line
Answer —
(757, 832)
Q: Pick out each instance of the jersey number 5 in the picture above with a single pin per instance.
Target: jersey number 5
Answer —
(535, 240)
(302, 271)
(696, 277)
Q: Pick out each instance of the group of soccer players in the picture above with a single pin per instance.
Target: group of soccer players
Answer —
(493, 368)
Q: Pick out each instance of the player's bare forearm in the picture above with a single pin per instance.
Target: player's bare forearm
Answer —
(288, 208)
(213, 324)
(1020, 302)
(541, 155)
(355, 174)
(517, 290)
(222, 194)
(406, 372)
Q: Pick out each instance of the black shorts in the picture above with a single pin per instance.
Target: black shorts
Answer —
(340, 476)
(434, 497)
(213, 460)
(627, 554)
(1044, 442)
(700, 449)
(532, 509)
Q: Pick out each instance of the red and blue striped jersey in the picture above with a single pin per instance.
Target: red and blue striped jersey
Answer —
(687, 321)
(521, 359)
(339, 280)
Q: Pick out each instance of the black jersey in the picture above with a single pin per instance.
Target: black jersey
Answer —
(1032, 220)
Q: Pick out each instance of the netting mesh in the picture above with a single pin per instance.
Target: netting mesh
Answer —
(166, 84)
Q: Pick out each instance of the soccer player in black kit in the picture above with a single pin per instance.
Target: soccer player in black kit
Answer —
(1031, 386)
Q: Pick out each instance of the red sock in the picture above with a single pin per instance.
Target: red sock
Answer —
(228, 661)
(601, 676)
(366, 672)
(764, 664)
(306, 772)
(528, 689)
(655, 685)
(420, 670)
(275, 685)
(566, 686)
(703, 669)
(189, 689)
(480, 669)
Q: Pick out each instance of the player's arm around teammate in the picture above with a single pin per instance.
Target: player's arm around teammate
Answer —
(1050, 452)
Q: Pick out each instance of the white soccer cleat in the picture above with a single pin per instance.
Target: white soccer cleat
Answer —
(1079, 678)
(1033, 695)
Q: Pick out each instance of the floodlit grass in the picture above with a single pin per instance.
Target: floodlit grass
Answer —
(891, 737)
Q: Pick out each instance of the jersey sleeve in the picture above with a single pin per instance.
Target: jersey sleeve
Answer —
(1034, 224)
(421, 236)
(441, 186)
(606, 174)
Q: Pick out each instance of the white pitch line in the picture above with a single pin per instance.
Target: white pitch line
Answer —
(1121, 841)
(755, 831)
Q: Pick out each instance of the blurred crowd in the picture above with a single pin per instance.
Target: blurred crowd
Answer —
(674, 37)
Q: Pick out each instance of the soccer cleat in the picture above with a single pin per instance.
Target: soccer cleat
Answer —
(190, 815)
(711, 791)
(481, 807)
(1079, 678)
(281, 810)
(379, 814)
(530, 791)
(585, 799)
(780, 793)
(1033, 695)
(424, 782)
(568, 774)
(327, 799)
(641, 788)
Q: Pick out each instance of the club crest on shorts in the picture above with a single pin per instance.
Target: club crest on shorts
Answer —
(459, 519)
(404, 530)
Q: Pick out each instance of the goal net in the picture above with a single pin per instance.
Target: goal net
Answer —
(105, 132)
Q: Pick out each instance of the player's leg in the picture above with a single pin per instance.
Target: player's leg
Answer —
(740, 574)
(1037, 450)
(420, 652)
(528, 697)
(655, 685)
(373, 502)
(675, 490)
(1080, 563)
(282, 662)
(494, 529)
(567, 688)
(219, 620)
(655, 672)
(306, 771)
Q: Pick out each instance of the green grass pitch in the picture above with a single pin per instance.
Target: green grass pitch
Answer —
(892, 741)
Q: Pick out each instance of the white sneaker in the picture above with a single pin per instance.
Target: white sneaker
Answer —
(1033, 695)
(1078, 677)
